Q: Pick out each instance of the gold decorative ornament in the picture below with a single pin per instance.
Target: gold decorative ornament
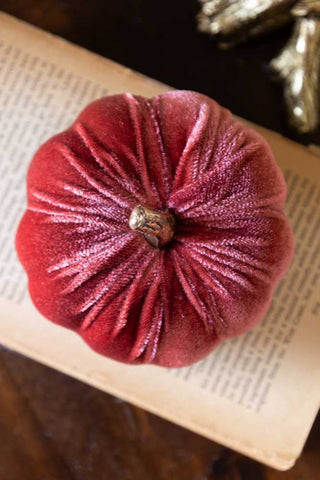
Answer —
(298, 64)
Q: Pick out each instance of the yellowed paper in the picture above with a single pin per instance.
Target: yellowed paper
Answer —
(258, 393)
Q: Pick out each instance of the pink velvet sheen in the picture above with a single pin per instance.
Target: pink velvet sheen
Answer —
(89, 272)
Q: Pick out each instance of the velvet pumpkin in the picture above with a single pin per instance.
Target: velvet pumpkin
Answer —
(150, 295)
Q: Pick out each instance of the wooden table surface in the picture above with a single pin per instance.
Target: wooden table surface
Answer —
(56, 428)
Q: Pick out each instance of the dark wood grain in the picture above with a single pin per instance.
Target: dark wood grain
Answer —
(53, 427)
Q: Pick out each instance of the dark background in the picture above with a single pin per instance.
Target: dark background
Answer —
(159, 39)
(53, 427)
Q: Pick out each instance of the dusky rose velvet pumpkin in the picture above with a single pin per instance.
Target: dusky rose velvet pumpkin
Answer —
(155, 227)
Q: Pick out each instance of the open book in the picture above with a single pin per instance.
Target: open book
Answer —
(258, 393)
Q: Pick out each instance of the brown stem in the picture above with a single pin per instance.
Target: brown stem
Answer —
(156, 226)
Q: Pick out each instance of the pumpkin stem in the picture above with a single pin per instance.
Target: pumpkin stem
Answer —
(156, 226)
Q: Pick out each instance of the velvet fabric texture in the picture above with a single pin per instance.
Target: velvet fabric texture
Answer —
(89, 272)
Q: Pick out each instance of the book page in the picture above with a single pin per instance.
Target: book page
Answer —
(257, 393)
